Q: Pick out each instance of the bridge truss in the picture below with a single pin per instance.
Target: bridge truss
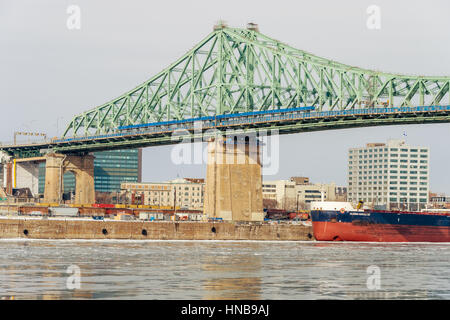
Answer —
(241, 70)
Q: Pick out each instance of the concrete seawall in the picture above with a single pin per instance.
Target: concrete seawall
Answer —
(87, 229)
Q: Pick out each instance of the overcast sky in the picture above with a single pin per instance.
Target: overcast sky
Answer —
(49, 73)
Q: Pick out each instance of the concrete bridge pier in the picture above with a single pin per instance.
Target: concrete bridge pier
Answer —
(233, 179)
(83, 169)
(7, 177)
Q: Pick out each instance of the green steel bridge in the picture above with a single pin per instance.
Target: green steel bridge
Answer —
(254, 82)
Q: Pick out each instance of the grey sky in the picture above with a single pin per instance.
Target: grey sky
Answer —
(49, 73)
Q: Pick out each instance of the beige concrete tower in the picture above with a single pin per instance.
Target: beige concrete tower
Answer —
(83, 169)
(233, 179)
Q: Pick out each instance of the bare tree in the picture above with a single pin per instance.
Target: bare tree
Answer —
(103, 197)
(270, 203)
(302, 205)
(289, 204)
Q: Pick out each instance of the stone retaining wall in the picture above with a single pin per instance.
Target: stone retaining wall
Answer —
(85, 229)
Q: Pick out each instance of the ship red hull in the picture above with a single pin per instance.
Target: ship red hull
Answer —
(341, 231)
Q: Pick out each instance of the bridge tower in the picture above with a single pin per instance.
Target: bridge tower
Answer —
(83, 169)
(233, 179)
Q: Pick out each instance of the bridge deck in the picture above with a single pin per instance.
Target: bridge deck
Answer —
(283, 122)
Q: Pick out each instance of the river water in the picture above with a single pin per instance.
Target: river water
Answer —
(108, 269)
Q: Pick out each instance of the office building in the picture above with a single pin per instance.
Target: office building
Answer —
(389, 176)
(185, 193)
(341, 193)
(296, 193)
(439, 200)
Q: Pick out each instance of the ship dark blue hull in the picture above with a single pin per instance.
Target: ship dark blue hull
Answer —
(380, 226)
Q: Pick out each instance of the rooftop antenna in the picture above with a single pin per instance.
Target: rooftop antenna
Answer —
(252, 26)
(221, 24)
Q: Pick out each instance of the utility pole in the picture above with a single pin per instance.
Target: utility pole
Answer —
(175, 199)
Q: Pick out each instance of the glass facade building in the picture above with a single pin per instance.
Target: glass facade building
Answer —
(111, 168)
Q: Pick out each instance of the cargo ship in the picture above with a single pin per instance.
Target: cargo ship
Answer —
(341, 221)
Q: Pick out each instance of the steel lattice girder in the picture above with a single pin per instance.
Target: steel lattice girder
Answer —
(141, 140)
(240, 70)
(296, 126)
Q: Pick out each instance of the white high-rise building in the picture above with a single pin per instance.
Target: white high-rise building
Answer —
(392, 175)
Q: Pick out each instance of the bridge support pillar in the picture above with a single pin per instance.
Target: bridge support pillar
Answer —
(83, 169)
(8, 177)
(233, 179)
